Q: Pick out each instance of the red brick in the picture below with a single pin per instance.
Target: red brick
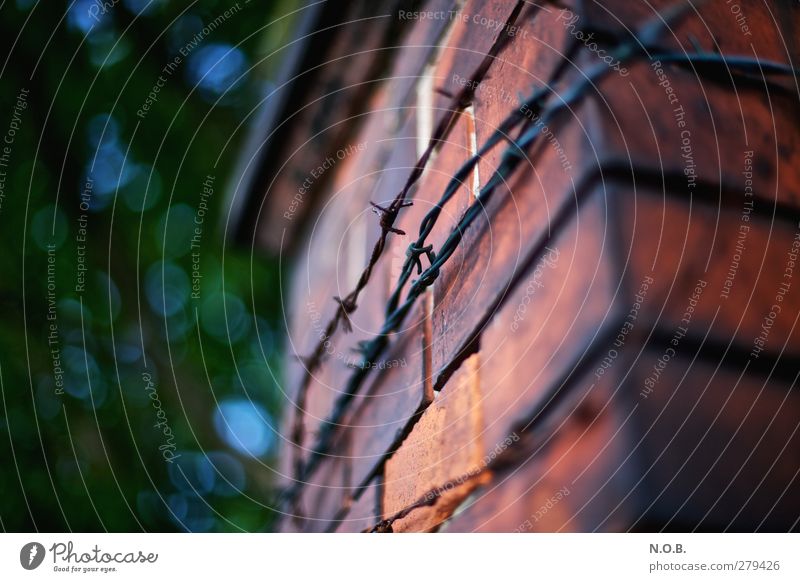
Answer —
(633, 125)
(516, 220)
(445, 162)
(685, 242)
(543, 332)
(718, 449)
(701, 445)
(466, 47)
(365, 512)
(770, 27)
(569, 481)
(388, 403)
(707, 447)
(444, 445)
(451, 154)
(429, 519)
(525, 64)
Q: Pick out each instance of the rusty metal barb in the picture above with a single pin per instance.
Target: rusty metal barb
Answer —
(397, 309)
(388, 217)
(550, 107)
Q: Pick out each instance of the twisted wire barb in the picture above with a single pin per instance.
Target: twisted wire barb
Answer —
(741, 66)
(388, 216)
(638, 45)
(511, 158)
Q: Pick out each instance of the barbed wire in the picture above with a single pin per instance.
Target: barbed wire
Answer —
(510, 160)
(640, 45)
(515, 453)
(733, 67)
(506, 459)
(388, 217)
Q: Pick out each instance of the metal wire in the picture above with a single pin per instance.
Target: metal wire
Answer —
(549, 107)
(388, 217)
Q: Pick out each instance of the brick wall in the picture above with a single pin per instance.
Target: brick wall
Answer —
(602, 351)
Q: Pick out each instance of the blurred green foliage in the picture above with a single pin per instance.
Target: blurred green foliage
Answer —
(136, 395)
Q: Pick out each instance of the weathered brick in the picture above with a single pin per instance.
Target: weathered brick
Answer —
(563, 305)
(769, 28)
(430, 518)
(365, 512)
(388, 402)
(636, 126)
(718, 448)
(706, 447)
(702, 442)
(684, 243)
(573, 478)
(516, 220)
(451, 154)
(476, 27)
(524, 64)
(444, 445)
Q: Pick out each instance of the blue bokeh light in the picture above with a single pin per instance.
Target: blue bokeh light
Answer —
(87, 16)
(215, 68)
(244, 426)
(167, 288)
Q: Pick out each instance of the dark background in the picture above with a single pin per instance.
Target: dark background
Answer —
(193, 448)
